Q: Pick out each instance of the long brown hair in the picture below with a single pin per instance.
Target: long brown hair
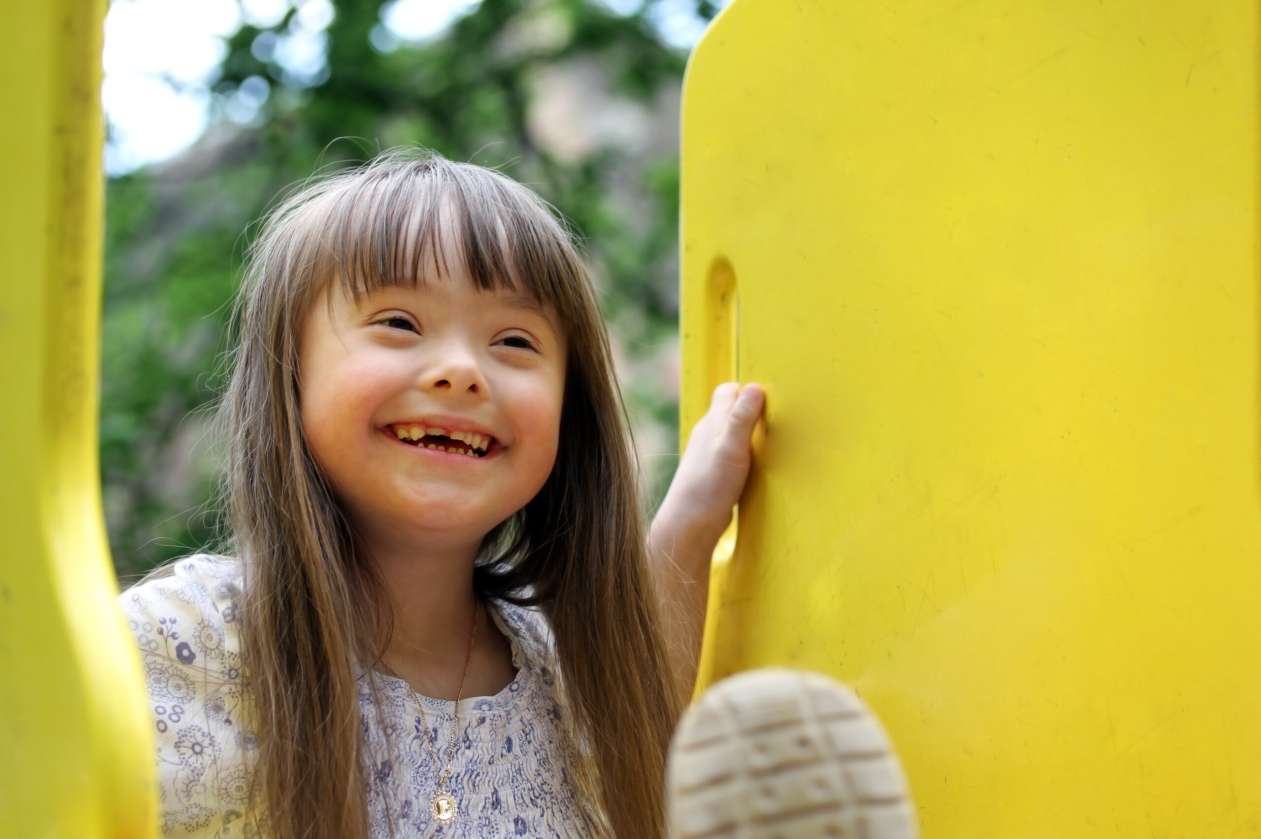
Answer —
(313, 609)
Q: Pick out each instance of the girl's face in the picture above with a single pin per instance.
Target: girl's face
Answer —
(440, 356)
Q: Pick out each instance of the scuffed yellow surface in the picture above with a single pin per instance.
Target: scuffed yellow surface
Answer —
(997, 265)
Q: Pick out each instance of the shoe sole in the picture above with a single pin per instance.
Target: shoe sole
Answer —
(784, 754)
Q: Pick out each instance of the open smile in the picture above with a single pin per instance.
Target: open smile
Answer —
(447, 448)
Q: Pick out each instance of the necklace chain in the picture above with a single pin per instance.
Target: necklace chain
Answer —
(443, 805)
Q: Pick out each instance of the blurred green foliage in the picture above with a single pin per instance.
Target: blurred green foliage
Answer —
(176, 232)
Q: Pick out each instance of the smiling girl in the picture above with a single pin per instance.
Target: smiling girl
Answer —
(437, 611)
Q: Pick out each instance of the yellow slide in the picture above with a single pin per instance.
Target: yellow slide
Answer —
(998, 265)
(77, 747)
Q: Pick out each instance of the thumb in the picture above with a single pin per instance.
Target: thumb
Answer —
(748, 405)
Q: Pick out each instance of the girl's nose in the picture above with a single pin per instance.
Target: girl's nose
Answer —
(457, 384)
(456, 375)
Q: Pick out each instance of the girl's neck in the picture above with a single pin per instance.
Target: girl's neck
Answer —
(430, 592)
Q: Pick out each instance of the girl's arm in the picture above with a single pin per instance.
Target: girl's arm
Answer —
(696, 510)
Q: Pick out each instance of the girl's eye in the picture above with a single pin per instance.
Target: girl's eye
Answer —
(398, 322)
(523, 342)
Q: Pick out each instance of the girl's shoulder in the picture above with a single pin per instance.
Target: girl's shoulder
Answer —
(529, 631)
(184, 618)
(193, 601)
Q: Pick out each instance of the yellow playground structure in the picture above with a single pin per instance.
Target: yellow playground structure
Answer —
(998, 265)
(78, 753)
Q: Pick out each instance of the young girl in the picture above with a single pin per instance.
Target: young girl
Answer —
(437, 614)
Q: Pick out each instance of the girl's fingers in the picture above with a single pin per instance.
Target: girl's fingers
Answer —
(748, 405)
(724, 395)
(739, 406)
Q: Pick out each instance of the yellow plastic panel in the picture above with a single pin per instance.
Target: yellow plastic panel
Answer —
(997, 264)
(77, 749)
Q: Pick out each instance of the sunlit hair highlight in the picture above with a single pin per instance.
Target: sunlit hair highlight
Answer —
(314, 618)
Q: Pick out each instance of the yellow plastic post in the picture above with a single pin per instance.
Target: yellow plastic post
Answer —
(78, 751)
(998, 264)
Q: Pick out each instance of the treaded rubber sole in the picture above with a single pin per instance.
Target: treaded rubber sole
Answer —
(784, 754)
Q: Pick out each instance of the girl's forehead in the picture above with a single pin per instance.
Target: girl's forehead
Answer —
(425, 238)
(506, 295)
(436, 237)
(442, 289)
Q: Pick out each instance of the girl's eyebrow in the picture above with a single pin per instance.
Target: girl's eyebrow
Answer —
(513, 300)
(526, 303)
(521, 301)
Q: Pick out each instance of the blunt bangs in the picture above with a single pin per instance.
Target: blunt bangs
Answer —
(404, 220)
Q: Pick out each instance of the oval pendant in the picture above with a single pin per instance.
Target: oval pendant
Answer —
(442, 806)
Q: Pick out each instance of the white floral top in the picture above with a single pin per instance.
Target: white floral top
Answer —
(509, 774)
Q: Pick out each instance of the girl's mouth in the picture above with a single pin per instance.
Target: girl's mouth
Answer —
(463, 444)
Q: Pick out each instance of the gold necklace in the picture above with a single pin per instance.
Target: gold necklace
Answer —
(442, 806)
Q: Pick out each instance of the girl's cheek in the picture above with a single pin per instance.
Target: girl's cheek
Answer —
(540, 404)
(371, 371)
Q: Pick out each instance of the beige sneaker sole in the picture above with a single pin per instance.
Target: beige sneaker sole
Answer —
(784, 754)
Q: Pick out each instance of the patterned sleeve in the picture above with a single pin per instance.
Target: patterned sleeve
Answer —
(185, 626)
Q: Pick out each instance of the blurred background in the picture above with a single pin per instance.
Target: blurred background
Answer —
(214, 106)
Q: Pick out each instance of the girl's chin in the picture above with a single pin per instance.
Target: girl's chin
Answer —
(453, 520)
(398, 513)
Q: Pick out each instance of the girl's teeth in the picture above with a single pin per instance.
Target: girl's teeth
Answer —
(417, 432)
(477, 441)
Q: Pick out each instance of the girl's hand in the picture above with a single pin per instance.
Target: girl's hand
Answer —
(712, 472)
(695, 512)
